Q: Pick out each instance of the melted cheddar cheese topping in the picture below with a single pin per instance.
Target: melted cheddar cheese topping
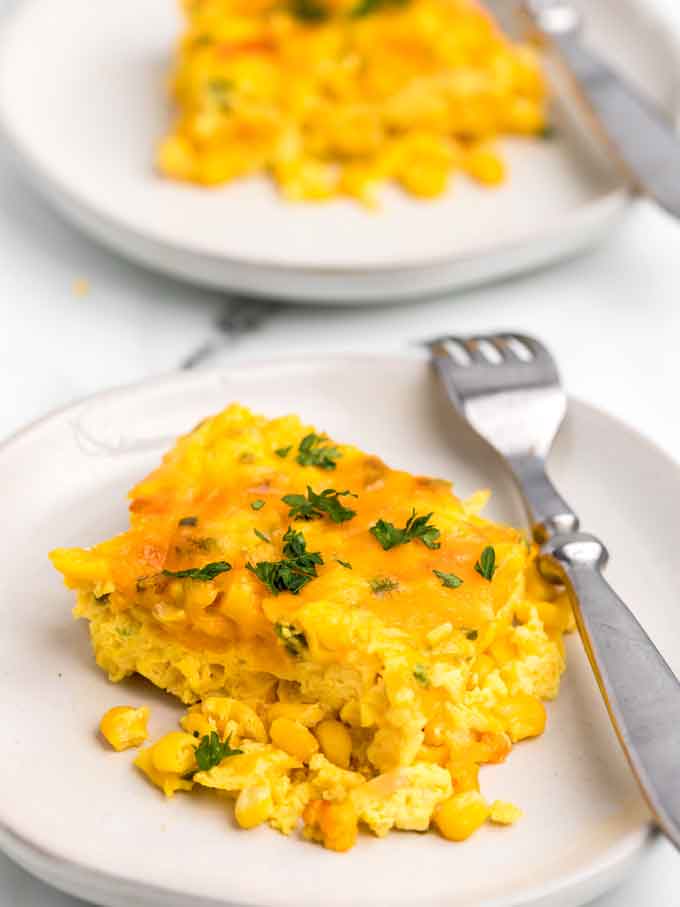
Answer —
(352, 641)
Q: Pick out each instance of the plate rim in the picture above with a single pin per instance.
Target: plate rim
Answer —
(86, 880)
(124, 235)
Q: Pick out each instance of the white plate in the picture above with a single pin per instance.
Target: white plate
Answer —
(83, 102)
(83, 819)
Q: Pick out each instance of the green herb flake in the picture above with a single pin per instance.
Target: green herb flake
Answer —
(420, 674)
(262, 536)
(283, 451)
(315, 506)
(294, 641)
(309, 10)
(188, 521)
(548, 133)
(367, 7)
(382, 585)
(211, 751)
(200, 574)
(450, 580)
(417, 527)
(345, 564)
(103, 599)
(257, 505)
(486, 565)
(312, 452)
(219, 91)
(472, 635)
(203, 544)
(293, 571)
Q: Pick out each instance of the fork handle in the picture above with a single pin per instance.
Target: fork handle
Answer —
(549, 513)
(640, 690)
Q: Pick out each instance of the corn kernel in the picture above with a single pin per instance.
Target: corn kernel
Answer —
(351, 713)
(434, 733)
(495, 746)
(461, 815)
(482, 667)
(168, 782)
(425, 181)
(504, 813)
(293, 738)
(439, 634)
(174, 753)
(176, 158)
(124, 726)
(523, 715)
(464, 776)
(304, 713)
(335, 824)
(196, 724)
(253, 805)
(485, 166)
(524, 116)
(335, 741)
(437, 755)
(503, 651)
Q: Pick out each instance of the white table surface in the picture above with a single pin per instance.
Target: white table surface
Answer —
(612, 318)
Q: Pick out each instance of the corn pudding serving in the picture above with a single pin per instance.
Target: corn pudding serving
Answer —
(336, 97)
(352, 641)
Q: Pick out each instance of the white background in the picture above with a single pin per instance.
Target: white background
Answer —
(612, 319)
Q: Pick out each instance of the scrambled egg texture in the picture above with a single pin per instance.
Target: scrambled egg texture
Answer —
(337, 97)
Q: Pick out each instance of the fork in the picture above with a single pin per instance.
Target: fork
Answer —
(507, 387)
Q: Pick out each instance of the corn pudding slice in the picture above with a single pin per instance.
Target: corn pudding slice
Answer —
(353, 641)
(336, 97)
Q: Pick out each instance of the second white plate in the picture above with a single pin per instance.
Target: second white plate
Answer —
(83, 101)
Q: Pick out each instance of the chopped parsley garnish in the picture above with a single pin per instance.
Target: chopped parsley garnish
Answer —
(211, 751)
(283, 451)
(380, 585)
(219, 91)
(345, 564)
(261, 535)
(417, 527)
(257, 505)
(316, 505)
(312, 452)
(200, 574)
(188, 521)
(547, 133)
(203, 544)
(103, 599)
(420, 675)
(294, 571)
(309, 10)
(366, 7)
(472, 634)
(450, 580)
(486, 565)
(294, 641)
(295, 546)
(317, 10)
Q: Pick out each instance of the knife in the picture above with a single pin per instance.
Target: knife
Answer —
(642, 140)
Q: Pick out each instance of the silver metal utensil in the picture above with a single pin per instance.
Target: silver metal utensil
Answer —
(507, 387)
(640, 137)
